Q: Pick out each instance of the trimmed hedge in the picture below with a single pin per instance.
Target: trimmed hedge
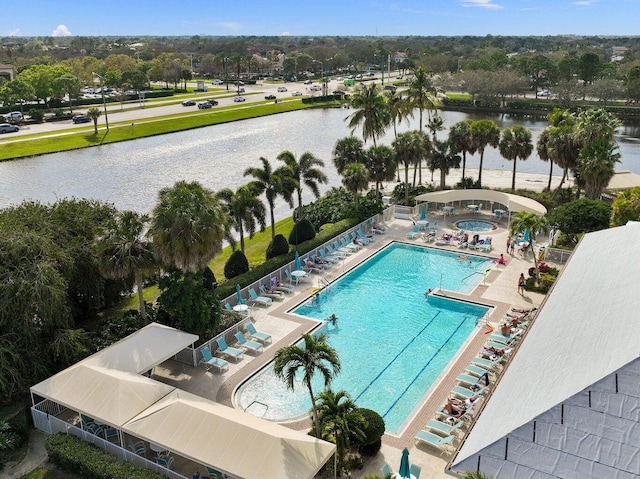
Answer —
(75, 455)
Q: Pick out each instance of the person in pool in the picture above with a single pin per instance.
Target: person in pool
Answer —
(333, 319)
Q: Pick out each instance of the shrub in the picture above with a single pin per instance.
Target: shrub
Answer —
(398, 193)
(373, 432)
(75, 455)
(36, 115)
(302, 231)
(59, 112)
(236, 265)
(467, 183)
(277, 246)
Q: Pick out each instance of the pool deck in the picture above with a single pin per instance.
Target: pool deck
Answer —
(498, 290)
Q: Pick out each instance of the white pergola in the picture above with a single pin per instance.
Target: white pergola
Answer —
(513, 203)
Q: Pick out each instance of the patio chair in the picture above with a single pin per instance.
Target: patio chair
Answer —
(165, 461)
(294, 279)
(213, 473)
(321, 262)
(362, 236)
(255, 299)
(339, 250)
(247, 344)
(138, 448)
(385, 470)
(434, 440)
(415, 471)
(111, 432)
(348, 243)
(229, 351)
(309, 266)
(414, 232)
(466, 392)
(259, 335)
(475, 370)
(467, 379)
(327, 257)
(276, 286)
(210, 360)
(271, 293)
(445, 428)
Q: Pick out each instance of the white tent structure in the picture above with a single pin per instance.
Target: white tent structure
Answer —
(623, 180)
(229, 440)
(568, 405)
(513, 203)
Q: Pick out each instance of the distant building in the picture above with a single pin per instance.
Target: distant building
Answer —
(6, 71)
(400, 57)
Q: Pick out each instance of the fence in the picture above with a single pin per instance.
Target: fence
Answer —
(555, 255)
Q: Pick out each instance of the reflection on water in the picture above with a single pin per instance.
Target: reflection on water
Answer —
(130, 174)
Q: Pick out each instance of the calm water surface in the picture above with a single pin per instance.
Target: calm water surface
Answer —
(130, 174)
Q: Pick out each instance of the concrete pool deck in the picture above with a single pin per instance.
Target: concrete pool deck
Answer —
(498, 290)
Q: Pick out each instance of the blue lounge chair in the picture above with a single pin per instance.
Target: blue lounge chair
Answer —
(466, 392)
(360, 239)
(259, 335)
(335, 250)
(309, 266)
(487, 363)
(326, 257)
(210, 360)
(443, 427)
(346, 242)
(224, 349)
(271, 293)
(247, 344)
(414, 232)
(467, 379)
(228, 307)
(415, 471)
(285, 288)
(385, 470)
(255, 299)
(434, 440)
(475, 370)
(362, 236)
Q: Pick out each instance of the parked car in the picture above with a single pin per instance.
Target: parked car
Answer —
(270, 97)
(308, 82)
(8, 128)
(213, 101)
(188, 103)
(240, 89)
(239, 99)
(13, 116)
(390, 87)
(315, 88)
(204, 105)
(296, 93)
(217, 82)
(282, 89)
(81, 119)
(544, 93)
(339, 93)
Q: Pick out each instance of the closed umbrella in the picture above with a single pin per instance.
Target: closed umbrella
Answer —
(526, 234)
(404, 470)
(423, 212)
(298, 266)
(239, 294)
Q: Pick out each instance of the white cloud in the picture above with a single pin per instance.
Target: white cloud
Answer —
(61, 31)
(12, 33)
(285, 34)
(480, 3)
(229, 25)
(585, 2)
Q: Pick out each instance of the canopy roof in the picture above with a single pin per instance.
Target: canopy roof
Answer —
(582, 334)
(229, 440)
(514, 203)
(144, 349)
(623, 180)
(110, 396)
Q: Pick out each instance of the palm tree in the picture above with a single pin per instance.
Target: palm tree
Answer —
(303, 172)
(420, 93)
(522, 221)
(124, 251)
(460, 141)
(410, 147)
(595, 124)
(341, 421)
(515, 145)
(315, 355)
(348, 150)
(355, 178)
(245, 209)
(542, 148)
(443, 159)
(398, 108)
(484, 133)
(94, 113)
(371, 112)
(381, 163)
(271, 183)
(435, 124)
(187, 226)
(596, 166)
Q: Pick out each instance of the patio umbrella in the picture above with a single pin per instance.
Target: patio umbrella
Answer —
(239, 294)
(298, 266)
(526, 234)
(404, 465)
(423, 212)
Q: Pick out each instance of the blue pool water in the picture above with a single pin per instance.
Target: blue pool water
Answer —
(392, 340)
(475, 225)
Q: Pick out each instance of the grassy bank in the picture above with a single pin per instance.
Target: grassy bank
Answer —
(30, 145)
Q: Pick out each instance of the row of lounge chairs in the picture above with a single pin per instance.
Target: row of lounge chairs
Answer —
(220, 364)
(472, 383)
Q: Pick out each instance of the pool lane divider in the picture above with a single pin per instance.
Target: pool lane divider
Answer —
(424, 367)
(396, 357)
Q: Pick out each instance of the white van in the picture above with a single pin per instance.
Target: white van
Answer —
(13, 116)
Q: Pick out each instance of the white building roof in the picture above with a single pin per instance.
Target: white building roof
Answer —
(586, 329)
(623, 180)
(514, 203)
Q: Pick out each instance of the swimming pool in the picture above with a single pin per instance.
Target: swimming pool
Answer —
(476, 225)
(392, 340)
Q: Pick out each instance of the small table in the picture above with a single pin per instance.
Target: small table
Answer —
(157, 448)
(423, 224)
(240, 308)
(298, 273)
(448, 209)
(473, 208)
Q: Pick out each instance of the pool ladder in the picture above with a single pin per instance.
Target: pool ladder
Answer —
(266, 407)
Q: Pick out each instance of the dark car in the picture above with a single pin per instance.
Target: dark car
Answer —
(213, 102)
(339, 93)
(188, 103)
(8, 128)
(270, 97)
(81, 119)
(204, 105)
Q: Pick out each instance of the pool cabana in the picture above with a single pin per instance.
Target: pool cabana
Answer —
(497, 201)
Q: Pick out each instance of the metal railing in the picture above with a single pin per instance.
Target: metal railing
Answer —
(555, 255)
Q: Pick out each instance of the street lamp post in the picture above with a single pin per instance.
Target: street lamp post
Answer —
(104, 102)
(226, 73)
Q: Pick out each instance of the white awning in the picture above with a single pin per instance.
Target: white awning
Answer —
(229, 440)
(623, 180)
(514, 203)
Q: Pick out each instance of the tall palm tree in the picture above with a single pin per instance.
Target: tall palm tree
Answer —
(595, 124)
(305, 172)
(443, 158)
(341, 421)
(420, 92)
(371, 112)
(314, 356)
(348, 150)
(399, 109)
(355, 178)
(536, 225)
(435, 124)
(460, 141)
(381, 163)
(515, 145)
(187, 227)
(542, 148)
(271, 183)
(563, 149)
(245, 210)
(124, 251)
(484, 133)
(410, 148)
(596, 166)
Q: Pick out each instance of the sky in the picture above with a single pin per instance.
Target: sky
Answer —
(319, 17)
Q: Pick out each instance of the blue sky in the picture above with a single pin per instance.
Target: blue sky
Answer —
(319, 17)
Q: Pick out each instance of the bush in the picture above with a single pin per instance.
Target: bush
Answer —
(302, 231)
(467, 183)
(398, 193)
(236, 265)
(36, 115)
(59, 112)
(277, 247)
(373, 432)
(75, 455)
